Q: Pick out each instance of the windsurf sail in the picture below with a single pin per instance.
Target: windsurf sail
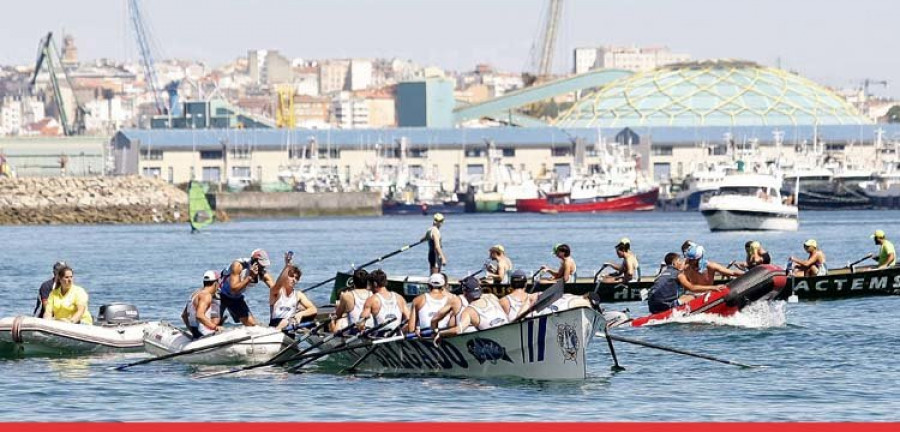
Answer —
(198, 207)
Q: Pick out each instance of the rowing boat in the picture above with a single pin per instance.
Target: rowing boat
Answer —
(252, 344)
(546, 347)
(24, 335)
(838, 284)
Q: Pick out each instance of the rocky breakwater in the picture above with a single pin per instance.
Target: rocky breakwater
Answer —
(90, 200)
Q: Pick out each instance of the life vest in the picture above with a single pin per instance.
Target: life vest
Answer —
(665, 289)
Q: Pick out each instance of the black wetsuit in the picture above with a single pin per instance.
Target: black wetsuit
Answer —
(434, 258)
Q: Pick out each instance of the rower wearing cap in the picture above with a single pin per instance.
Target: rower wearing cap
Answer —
(517, 300)
(500, 273)
(201, 313)
(566, 271)
(350, 305)
(700, 273)
(383, 305)
(425, 306)
(629, 269)
(240, 275)
(436, 257)
(46, 288)
(814, 265)
(887, 257)
(484, 311)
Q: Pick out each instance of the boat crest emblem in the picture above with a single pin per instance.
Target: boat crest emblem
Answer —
(487, 350)
(567, 338)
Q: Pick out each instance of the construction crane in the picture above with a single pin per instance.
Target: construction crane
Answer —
(867, 82)
(149, 66)
(542, 50)
(49, 56)
(284, 112)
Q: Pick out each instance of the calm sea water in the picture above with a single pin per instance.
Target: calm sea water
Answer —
(826, 361)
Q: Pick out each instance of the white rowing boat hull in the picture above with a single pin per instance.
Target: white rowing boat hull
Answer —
(547, 347)
(38, 336)
(264, 343)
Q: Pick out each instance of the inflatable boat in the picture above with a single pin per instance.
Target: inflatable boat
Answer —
(760, 283)
(251, 344)
(117, 328)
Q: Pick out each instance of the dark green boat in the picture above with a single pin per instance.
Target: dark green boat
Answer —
(838, 284)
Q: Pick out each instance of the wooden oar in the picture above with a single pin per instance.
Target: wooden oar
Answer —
(678, 351)
(381, 258)
(546, 299)
(317, 355)
(268, 362)
(193, 350)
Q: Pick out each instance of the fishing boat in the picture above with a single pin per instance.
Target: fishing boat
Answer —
(749, 202)
(117, 329)
(199, 210)
(546, 347)
(251, 344)
(760, 283)
(566, 203)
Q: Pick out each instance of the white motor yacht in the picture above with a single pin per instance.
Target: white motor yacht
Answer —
(749, 202)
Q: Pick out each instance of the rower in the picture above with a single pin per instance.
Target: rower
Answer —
(667, 291)
(288, 306)
(201, 312)
(383, 305)
(517, 300)
(484, 311)
(436, 257)
(814, 264)
(427, 305)
(699, 273)
(566, 271)
(887, 257)
(68, 302)
(45, 290)
(629, 269)
(352, 301)
(452, 310)
(240, 275)
(500, 274)
(756, 255)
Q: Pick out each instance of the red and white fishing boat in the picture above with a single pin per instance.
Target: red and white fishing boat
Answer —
(565, 203)
(760, 283)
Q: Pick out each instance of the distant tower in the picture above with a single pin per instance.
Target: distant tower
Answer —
(69, 52)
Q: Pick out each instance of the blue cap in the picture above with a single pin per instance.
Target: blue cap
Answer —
(519, 275)
(471, 287)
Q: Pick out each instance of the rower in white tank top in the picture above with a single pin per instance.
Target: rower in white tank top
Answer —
(211, 312)
(284, 307)
(515, 306)
(389, 309)
(491, 315)
(431, 307)
(358, 302)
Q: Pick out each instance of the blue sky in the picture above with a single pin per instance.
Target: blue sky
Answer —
(833, 42)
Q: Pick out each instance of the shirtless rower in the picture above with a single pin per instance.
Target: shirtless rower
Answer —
(814, 264)
(504, 265)
(756, 255)
(427, 305)
(483, 312)
(699, 273)
(350, 305)
(518, 300)
(627, 271)
(383, 305)
(566, 271)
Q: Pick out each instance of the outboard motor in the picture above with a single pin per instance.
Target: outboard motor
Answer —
(118, 313)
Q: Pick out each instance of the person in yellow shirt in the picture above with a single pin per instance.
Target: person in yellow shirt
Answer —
(68, 302)
(887, 256)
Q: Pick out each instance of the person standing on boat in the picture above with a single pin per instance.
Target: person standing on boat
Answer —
(436, 257)
(288, 306)
(887, 257)
(483, 312)
(566, 271)
(517, 300)
(814, 265)
(700, 273)
(237, 278)
(628, 270)
(351, 302)
(667, 291)
(383, 305)
(68, 302)
(427, 305)
(201, 313)
(756, 255)
(500, 274)
(45, 290)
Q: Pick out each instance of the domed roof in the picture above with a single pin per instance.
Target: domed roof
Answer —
(711, 93)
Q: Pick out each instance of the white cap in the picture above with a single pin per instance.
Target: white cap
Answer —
(436, 280)
(210, 276)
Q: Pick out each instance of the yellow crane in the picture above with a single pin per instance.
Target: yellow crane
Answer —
(284, 111)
